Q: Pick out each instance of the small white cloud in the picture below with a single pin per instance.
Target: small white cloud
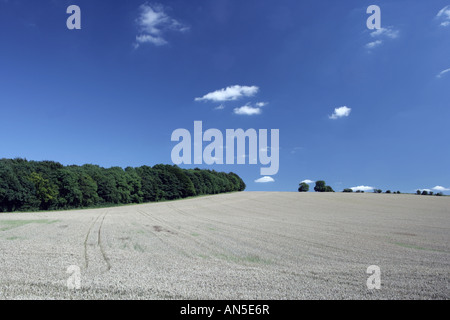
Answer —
(440, 188)
(230, 93)
(247, 110)
(374, 44)
(265, 180)
(362, 188)
(442, 73)
(340, 112)
(307, 181)
(444, 16)
(388, 32)
(153, 22)
(380, 35)
(221, 107)
(261, 104)
(146, 38)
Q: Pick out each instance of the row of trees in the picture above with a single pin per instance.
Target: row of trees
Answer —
(374, 191)
(46, 185)
(319, 187)
(322, 187)
(428, 193)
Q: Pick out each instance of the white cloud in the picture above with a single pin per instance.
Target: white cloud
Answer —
(247, 110)
(307, 181)
(374, 44)
(261, 104)
(152, 23)
(444, 16)
(340, 112)
(388, 32)
(221, 107)
(362, 188)
(380, 35)
(440, 188)
(146, 38)
(230, 93)
(442, 73)
(265, 180)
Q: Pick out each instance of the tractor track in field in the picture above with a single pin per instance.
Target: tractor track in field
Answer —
(96, 247)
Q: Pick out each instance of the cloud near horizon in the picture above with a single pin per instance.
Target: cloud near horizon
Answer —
(440, 188)
(340, 113)
(266, 179)
(362, 188)
(307, 181)
(152, 23)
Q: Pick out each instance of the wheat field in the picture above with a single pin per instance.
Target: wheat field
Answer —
(248, 245)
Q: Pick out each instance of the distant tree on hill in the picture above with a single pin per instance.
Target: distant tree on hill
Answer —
(431, 193)
(348, 190)
(322, 187)
(303, 187)
(388, 191)
(424, 192)
(418, 192)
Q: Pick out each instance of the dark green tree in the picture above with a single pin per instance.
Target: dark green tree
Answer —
(89, 189)
(46, 192)
(304, 187)
(320, 186)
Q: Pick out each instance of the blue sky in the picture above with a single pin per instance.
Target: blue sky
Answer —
(113, 92)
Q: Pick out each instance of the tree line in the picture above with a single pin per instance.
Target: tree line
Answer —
(322, 187)
(429, 193)
(47, 185)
